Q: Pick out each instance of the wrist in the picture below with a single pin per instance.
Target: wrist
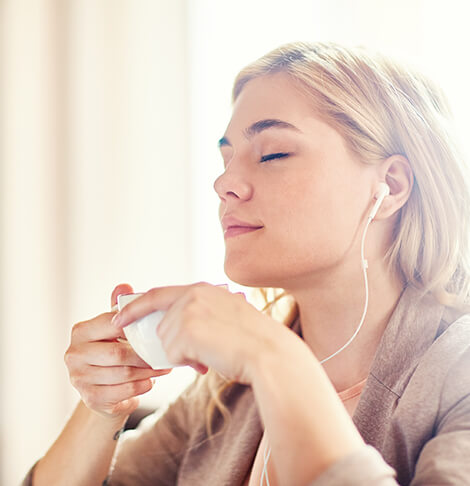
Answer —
(103, 420)
(278, 342)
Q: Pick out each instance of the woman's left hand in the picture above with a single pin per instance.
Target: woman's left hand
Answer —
(207, 326)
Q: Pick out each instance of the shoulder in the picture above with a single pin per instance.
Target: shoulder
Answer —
(451, 350)
(451, 347)
(442, 375)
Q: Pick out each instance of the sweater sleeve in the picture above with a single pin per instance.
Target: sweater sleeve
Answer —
(364, 466)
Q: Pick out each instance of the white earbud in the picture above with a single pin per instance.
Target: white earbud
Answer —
(383, 191)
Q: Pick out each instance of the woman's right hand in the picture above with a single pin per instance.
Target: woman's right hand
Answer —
(107, 374)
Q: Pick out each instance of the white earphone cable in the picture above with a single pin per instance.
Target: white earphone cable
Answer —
(366, 304)
(265, 471)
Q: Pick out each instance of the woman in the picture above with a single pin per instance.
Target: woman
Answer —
(367, 382)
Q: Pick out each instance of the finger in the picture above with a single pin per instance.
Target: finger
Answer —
(110, 354)
(97, 329)
(113, 394)
(172, 339)
(199, 367)
(119, 290)
(115, 375)
(168, 329)
(159, 298)
(168, 323)
(126, 407)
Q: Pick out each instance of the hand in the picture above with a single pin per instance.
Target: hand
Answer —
(206, 326)
(107, 373)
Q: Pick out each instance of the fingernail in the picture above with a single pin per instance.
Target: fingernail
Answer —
(222, 285)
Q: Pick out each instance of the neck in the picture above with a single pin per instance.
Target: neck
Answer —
(330, 310)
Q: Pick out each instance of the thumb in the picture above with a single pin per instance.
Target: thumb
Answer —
(118, 290)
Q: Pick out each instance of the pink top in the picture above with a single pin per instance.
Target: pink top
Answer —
(353, 391)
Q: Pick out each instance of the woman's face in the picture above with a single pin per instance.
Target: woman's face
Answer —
(309, 200)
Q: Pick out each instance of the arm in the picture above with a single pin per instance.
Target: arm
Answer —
(310, 433)
(310, 428)
(82, 453)
(109, 376)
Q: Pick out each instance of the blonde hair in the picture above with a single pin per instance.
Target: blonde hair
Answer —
(382, 108)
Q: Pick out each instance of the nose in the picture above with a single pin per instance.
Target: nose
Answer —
(233, 184)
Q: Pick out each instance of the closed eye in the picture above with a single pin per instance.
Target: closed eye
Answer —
(278, 155)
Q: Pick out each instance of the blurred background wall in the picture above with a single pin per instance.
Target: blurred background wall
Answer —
(110, 111)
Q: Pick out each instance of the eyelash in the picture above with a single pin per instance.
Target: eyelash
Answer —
(278, 155)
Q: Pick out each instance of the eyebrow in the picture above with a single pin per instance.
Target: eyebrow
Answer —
(259, 127)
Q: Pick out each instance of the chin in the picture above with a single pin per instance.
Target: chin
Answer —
(248, 277)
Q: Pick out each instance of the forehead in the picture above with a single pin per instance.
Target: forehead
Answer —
(270, 97)
(279, 97)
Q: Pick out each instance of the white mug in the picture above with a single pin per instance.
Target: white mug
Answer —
(142, 335)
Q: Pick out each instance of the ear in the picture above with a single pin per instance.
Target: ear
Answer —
(396, 172)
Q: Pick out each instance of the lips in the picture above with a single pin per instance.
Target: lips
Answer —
(238, 230)
(229, 222)
(233, 226)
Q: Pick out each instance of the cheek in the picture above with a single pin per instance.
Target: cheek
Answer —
(309, 225)
(311, 219)
(303, 204)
